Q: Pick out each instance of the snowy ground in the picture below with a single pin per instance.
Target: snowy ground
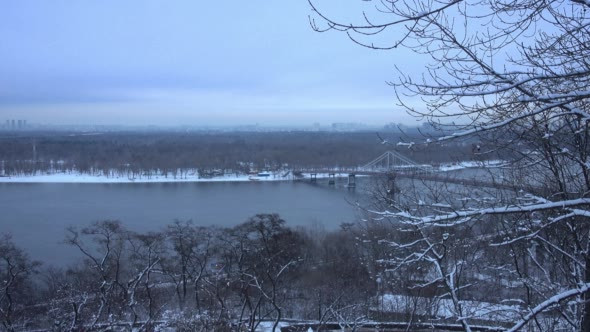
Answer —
(267, 326)
(192, 176)
(75, 177)
(470, 164)
(443, 308)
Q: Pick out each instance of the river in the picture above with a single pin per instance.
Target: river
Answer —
(36, 215)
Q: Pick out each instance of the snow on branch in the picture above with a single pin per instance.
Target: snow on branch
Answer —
(552, 221)
(497, 125)
(548, 303)
(465, 215)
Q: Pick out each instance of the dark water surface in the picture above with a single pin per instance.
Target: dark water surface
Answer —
(36, 215)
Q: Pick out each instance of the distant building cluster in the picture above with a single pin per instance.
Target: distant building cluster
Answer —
(348, 126)
(15, 124)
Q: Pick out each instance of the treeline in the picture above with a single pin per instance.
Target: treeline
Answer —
(165, 152)
(195, 278)
(379, 269)
(188, 277)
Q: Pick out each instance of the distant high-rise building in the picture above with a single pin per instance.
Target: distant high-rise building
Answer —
(13, 124)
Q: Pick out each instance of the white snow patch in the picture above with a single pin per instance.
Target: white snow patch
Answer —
(469, 164)
(443, 308)
(267, 326)
(76, 177)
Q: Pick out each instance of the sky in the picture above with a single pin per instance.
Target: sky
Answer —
(187, 62)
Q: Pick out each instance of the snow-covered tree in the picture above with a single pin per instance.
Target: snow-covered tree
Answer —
(517, 74)
(16, 270)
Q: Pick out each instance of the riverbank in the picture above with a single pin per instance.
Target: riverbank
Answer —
(75, 177)
(192, 176)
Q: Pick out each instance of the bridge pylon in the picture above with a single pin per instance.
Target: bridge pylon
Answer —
(351, 180)
(391, 161)
(331, 179)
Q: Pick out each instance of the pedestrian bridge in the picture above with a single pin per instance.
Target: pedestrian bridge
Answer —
(388, 162)
(391, 164)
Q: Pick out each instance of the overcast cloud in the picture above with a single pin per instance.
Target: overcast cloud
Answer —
(187, 62)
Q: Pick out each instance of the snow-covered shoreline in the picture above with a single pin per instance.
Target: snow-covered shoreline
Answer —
(86, 178)
(471, 164)
(191, 177)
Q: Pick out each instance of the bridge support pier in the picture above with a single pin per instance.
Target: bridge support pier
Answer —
(351, 180)
(331, 179)
(313, 177)
(391, 188)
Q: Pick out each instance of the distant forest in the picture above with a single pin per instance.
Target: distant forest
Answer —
(162, 152)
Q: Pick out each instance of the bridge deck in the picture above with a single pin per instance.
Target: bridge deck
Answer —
(394, 162)
(358, 171)
(419, 175)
